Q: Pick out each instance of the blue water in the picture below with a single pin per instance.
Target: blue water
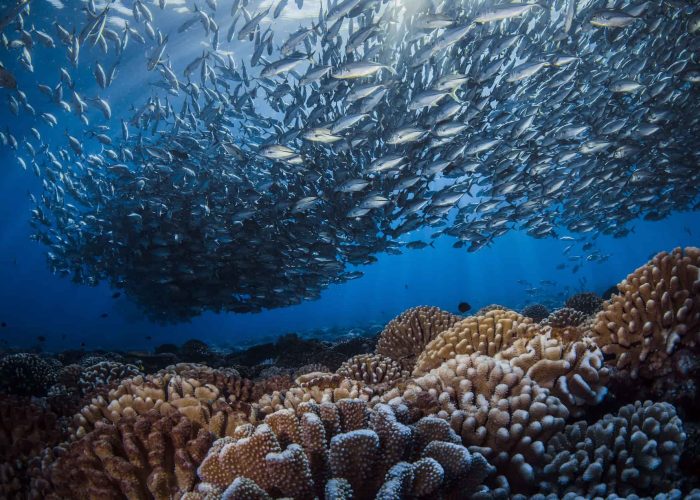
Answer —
(33, 302)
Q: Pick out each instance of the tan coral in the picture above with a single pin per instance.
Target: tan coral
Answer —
(657, 310)
(405, 336)
(492, 405)
(148, 456)
(166, 393)
(321, 450)
(572, 371)
(380, 372)
(487, 334)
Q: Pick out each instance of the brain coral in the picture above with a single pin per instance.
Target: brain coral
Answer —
(26, 374)
(634, 452)
(342, 450)
(657, 310)
(586, 302)
(492, 405)
(372, 369)
(147, 456)
(485, 334)
(405, 336)
(572, 371)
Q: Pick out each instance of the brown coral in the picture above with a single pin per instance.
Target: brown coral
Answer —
(487, 334)
(658, 310)
(405, 336)
(375, 370)
(104, 373)
(492, 405)
(147, 456)
(344, 451)
(586, 302)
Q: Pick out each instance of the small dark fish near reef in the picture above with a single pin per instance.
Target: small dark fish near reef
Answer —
(464, 307)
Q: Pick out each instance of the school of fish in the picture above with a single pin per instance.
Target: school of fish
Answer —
(241, 183)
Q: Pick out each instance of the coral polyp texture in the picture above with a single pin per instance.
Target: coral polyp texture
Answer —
(492, 405)
(343, 450)
(405, 336)
(564, 317)
(634, 452)
(104, 373)
(586, 302)
(373, 369)
(656, 312)
(147, 456)
(26, 374)
(536, 312)
(486, 334)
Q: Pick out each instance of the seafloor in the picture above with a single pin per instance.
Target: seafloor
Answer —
(596, 399)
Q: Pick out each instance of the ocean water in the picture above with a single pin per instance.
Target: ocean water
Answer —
(574, 159)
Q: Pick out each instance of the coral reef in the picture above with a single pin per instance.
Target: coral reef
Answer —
(378, 371)
(26, 374)
(586, 302)
(484, 334)
(633, 452)
(405, 336)
(496, 409)
(147, 456)
(564, 317)
(342, 450)
(105, 372)
(536, 312)
(656, 313)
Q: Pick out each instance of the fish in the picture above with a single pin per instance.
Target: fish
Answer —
(464, 307)
(255, 169)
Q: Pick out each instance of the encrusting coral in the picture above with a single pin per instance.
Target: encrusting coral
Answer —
(343, 450)
(496, 409)
(656, 312)
(486, 334)
(375, 370)
(633, 452)
(147, 456)
(405, 336)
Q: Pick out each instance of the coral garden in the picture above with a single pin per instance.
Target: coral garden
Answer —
(597, 399)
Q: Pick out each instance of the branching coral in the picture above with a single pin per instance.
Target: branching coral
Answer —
(487, 334)
(342, 450)
(26, 375)
(657, 310)
(573, 371)
(375, 370)
(564, 317)
(586, 302)
(635, 451)
(495, 408)
(405, 336)
(148, 456)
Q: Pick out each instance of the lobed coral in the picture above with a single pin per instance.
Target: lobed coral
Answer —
(536, 312)
(496, 409)
(147, 456)
(405, 336)
(633, 452)
(342, 450)
(26, 374)
(573, 371)
(657, 311)
(104, 373)
(486, 334)
(375, 370)
(586, 302)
